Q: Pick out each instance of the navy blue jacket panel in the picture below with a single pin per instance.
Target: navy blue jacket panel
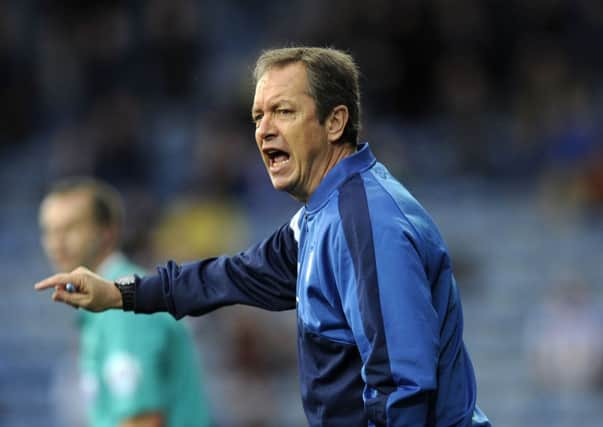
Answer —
(379, 315)
(263, 276)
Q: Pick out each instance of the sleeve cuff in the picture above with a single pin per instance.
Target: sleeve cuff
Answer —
(407, 411)
(149, 295)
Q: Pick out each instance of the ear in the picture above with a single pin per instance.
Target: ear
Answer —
(336, 122)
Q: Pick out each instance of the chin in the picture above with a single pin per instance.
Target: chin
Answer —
(279, 184)
(63, 266)
(279, 187)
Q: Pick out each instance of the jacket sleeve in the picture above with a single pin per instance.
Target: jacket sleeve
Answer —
(387, 301)
(263, 276)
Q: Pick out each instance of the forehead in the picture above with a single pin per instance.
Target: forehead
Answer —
(281, 81)
(66, 207)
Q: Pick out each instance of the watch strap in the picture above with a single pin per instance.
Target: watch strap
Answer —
(127, 287)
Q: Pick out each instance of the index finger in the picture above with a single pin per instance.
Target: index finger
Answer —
(60, 279)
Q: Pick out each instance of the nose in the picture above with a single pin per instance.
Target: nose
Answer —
(265, 129)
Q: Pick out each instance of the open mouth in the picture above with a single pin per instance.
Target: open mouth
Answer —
(276, 158)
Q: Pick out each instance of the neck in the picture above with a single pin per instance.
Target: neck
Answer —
(337, 154)
(101, 259)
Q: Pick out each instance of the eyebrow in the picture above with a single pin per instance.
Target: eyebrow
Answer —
(272, 104)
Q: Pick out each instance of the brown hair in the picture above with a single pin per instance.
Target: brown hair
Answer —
(107, 203)
(332, 80)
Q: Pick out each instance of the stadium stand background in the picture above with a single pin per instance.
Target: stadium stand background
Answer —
(490, 111)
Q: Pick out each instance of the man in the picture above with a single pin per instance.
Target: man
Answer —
(136, 370)
(379, 314)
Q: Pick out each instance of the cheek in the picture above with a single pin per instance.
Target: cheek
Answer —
(297, 141)
(73, 243)
(258, 141)
(79, 242)
(310, 144)
(53, 242)
(49, 244)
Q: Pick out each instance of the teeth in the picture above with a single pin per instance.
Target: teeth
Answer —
(276, 157)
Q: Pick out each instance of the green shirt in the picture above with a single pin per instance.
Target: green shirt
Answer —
(138, 363)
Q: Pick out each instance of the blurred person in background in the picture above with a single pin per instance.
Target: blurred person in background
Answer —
(379, 314)
(563, 339)
(564, 350)
(135, 370)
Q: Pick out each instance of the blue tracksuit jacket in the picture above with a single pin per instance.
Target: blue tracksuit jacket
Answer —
(379, 316)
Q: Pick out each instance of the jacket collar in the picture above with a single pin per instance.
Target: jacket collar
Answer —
(358, 162)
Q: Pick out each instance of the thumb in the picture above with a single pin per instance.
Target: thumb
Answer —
(63, 296)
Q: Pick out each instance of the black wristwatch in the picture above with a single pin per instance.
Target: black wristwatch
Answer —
(127, 288)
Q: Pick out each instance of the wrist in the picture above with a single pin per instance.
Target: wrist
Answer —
(127, 289)
(116, 298)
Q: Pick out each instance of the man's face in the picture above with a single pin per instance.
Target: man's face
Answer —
(292, 142)
(69, 235)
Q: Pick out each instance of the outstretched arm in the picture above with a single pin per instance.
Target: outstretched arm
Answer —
(264, 276)
(93, 293)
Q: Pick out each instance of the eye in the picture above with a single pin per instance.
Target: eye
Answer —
(256, 119)
(284, 112)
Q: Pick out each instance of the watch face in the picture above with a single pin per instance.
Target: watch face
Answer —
(126, 280)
